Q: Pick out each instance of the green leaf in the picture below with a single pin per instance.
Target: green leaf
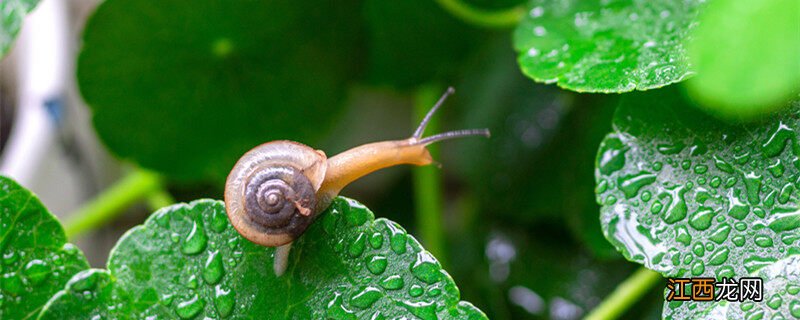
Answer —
(187, 260)
(36, 259)
(606, 46)
(186, 87)
(12, 13)
(688, 195)
(781, 297)
(746, 69)
(415, 41)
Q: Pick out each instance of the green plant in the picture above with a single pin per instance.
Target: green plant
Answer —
(693, 106)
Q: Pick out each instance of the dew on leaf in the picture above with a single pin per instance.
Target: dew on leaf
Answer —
(763, 241)
(426, 268)
(358, 245)
(393, 282)
(196, 241)
(415, 290)
(701, 219)
(423, 310)
(36, 271)
(719, 257)
(631, 184)
(720, 234)
(190, 308)
(366, 297)
(377, 264)
(213, 269)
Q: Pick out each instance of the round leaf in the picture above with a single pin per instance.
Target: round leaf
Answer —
(606, 46)
(186, 87)
(687, 195)
(187, 261)
(780, 294)
(12, 12)
(747, 69)
(36, 259)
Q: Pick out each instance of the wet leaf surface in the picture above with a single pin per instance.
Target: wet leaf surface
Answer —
(36, 259)
(187, 261)
(606, 46)
(687, 195)
(12, 14)
(186, 88)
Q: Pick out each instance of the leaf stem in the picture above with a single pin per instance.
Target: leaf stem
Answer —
(504, 18)
(110, 203)
(625, 295)
(428, 181)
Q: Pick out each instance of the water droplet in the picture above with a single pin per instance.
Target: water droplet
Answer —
(753, 263)
(192, 282)
(792, 288)
(357, 246)
(196, 241)
(701, 219)
(777, 169)
(612, 156)
(356, 214)
(425, 310)
(715, 182)
(366, 297)
(752, 184)
(190, 308)
(631, 184)
(738, 240)
(416, 290)
(775, 301)
(763, 241)
(777, 140)
(670, 149)
(794, 308)
(784, 219)
(721, 233)
(376, 240)
(700, 169)
(223, 301)
(676, 209)
(219, 220)
(12, 284)
(335, 309)
(377, 265)
(394, 282)
(698, 249)
(36, 271)
(213, 269)
(722, 165)
(719, 257)
(10, 257)
(397, 239)
(682, 235)
(426, 268)
(698, 267)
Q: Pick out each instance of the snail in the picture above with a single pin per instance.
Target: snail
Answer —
(277, 189)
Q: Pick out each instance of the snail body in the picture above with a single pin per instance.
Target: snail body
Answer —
(277, 189)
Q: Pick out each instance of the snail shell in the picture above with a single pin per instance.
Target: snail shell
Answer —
(270, 195)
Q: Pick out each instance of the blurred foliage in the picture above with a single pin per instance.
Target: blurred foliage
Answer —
(415, 41)
(186, 97)
(12, 12)
(534, 168)
(606, 46)
(746, 69)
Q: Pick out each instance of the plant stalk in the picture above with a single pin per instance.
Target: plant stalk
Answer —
(106, 206)
(504, 18)
(625, 295)
(428, 181)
